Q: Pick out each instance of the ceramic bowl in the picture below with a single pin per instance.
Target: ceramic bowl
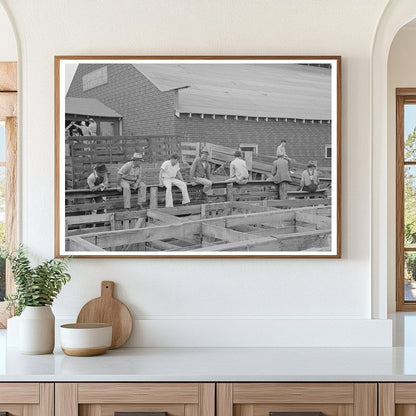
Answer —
(83, 340)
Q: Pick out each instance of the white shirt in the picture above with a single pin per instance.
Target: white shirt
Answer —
(281, 150)
(169, 171)
(129, 172)
(238, 168)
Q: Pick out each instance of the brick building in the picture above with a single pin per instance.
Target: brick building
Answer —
(235, 105)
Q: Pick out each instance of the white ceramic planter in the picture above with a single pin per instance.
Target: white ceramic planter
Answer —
(37, 330)
(12, 334)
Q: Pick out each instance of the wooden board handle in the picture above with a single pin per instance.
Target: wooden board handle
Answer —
(107, 288)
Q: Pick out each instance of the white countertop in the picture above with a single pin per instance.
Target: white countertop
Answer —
(222, 364)
(215, 364)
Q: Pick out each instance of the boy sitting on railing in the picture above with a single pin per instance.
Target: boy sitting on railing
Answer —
(238, 169)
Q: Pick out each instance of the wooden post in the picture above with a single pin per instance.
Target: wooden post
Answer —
(203, 211)
(249, 161)
(230, 195)
(208, 146)
(11, 199)
(153, 196)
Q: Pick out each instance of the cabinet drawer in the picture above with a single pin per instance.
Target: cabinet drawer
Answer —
(146, 399)
(296, 399)
(19, 393)
(397, 399)
(21, 399)
(138, 393)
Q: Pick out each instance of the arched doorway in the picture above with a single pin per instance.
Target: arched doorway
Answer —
(396, 15)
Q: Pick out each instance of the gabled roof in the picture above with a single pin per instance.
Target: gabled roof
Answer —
(253, 90)
(89, 107)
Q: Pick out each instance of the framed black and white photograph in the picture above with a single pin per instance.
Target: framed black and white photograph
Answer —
(198, 156)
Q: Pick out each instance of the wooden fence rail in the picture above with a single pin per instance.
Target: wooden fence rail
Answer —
(79, 201)
(82, 153)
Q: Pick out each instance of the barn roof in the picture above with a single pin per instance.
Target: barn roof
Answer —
(254, 90)
(89, 107)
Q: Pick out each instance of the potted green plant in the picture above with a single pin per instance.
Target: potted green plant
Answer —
(36, 289)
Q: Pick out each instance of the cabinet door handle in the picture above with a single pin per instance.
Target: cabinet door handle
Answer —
(139, 414)
(295, 413)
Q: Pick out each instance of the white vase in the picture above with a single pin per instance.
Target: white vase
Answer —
(37, 330)
(12, 334)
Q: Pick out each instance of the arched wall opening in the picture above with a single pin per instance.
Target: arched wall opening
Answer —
(401, 73)
(386, 76)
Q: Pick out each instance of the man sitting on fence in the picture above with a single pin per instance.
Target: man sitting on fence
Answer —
(309, 181)
(170, 175)
(98, 181)
(238, 169)
(130, 179)
(201, 173)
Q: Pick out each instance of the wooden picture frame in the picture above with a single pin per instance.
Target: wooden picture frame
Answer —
(279, 117)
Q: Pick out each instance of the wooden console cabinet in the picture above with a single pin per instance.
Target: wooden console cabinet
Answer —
(208, 399)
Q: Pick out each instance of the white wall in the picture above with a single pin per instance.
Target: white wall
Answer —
(401, 74)
(212, 302)
(8, 46)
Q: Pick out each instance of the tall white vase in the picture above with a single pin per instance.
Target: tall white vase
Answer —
(37, 330)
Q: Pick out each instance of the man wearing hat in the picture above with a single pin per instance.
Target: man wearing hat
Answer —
(309, 181)
(130, 179)
(98, 181)
(281, 175)
(92, 126)
(200, 172)
(238, 169)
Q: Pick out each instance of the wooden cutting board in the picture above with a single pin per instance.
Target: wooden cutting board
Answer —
(107, 309)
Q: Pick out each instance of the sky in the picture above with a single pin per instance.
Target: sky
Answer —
(69, 75)
(409, 119)
(2, 142)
